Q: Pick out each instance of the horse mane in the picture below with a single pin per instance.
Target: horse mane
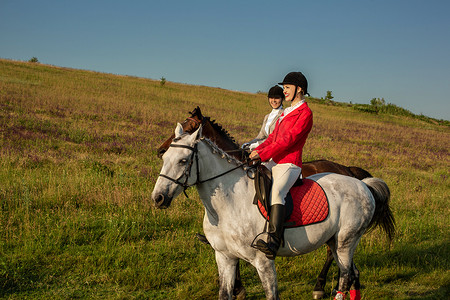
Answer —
(217, 150)
(224, 133)
(217, 127)
(214, 148)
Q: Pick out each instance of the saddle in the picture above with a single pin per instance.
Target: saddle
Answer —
(306, 202)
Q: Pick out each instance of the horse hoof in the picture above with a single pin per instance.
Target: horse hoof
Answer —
(240, 294)
(318, 294)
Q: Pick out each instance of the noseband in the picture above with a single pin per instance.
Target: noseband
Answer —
(187, 171)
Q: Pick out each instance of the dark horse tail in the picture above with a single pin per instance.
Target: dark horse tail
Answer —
(383, 216)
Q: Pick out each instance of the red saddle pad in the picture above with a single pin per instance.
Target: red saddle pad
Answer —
(310, 204)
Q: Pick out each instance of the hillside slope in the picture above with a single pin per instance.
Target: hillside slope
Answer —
(78, 164)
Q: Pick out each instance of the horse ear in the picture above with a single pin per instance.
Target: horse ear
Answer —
(198, 133)
(178, 130)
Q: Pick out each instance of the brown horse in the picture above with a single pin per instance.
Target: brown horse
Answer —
(223, 140)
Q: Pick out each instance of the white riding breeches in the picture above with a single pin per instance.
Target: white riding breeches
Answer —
(283, 178)
(269, 164)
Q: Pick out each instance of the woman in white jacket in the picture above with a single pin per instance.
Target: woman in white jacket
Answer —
(275, 98)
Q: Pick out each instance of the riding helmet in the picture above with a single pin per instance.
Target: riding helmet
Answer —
(297, 79)
(276, 92)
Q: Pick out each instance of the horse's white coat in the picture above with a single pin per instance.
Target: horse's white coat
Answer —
(231, 221)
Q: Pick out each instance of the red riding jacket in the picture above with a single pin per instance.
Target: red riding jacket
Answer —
(285, 143)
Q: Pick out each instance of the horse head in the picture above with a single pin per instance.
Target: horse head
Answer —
(176, 173)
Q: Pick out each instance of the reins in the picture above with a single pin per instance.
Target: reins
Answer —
(232, 151)
(187, 171)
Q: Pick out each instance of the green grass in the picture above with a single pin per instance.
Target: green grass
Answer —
(78, 164)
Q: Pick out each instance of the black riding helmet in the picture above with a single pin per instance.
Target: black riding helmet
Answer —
(297, 79)
(276, 92)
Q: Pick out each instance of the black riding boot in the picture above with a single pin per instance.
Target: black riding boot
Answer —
(275, 232)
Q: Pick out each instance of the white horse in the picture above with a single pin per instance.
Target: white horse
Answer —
(231, 221)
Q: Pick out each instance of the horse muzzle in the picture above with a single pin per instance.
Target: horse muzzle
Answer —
(161, 201)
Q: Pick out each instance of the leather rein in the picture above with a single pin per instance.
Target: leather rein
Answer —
(187, 171)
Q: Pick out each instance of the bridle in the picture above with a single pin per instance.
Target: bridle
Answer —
(194, 120)
(187, 170)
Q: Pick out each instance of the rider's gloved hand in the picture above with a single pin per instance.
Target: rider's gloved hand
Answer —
(254, 158)
(253, 146)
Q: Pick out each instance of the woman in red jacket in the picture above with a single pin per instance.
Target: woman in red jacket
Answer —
(284, 145)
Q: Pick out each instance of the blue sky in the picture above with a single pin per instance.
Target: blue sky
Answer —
(359, 49)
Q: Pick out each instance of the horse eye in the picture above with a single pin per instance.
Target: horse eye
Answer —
(183, 161)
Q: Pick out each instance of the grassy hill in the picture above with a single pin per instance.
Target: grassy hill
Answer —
(78, 164)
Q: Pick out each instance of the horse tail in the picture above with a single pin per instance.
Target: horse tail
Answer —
(382, 216)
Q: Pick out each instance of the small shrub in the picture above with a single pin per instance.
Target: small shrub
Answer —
(395, 110)
(377, 102)
(33, 60)
(366, 108)
(162, 81)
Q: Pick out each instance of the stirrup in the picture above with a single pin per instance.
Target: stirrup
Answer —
(269, 248)
(266, 249)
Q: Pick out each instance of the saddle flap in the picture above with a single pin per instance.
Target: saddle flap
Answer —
(263, 184)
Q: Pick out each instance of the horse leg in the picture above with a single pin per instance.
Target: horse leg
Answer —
(355, 293)
(319, 291)
(227, 274)
(344, 258)
(268, 276)
(336, 287)
(239, 291)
